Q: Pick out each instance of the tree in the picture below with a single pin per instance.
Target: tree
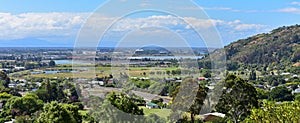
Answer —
(296, 39)
(232, 66)
(286, 112)
(168, 72)
(297, 97)
(4, 79)
(55, 112)
(29, 65)
(252, 75)
(124, 103)
(51, 91)
(4, 97)
(207, 73)
(237, 99)
(24, 119)
(25, 105)
(261, 93)
(189, 87)
(52, 63)
(117, 107)
(280, 94)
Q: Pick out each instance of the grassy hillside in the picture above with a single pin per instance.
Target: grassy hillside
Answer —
(280, 49)
(280, 45)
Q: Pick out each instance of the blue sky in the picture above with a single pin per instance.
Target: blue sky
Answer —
(59, 21)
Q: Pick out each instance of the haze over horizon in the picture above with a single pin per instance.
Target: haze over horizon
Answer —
(57, 23)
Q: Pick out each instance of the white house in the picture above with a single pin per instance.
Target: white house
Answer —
(19, 68)
(296, 91)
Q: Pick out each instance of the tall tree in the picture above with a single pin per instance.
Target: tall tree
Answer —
(252, 75)
(51, 91)
(182, 93)
(4, 79)
(237, 99)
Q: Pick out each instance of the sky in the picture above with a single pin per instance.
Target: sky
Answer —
(67, 23)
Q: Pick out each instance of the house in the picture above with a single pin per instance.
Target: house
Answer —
(151, 105)
(11, 85)
(213, 116)
(19, 68)
(97, 82)
(284, 74)
(94, 82)
(110, 81)
(296, 91)
(260, 86)
(202, 79)
(4, 70)
(169, 79)
(144, 78)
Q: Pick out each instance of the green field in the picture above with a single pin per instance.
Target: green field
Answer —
(164, 113)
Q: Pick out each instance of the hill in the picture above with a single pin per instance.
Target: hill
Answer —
(279, 49)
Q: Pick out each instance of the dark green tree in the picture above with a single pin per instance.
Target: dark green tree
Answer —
(280, 94)
(55, 112)
(297, 97)
(117, 107)
(238, 98)
(25, 105)
(252, 75)
(51, 91)
(124, 103)
(52, 63)
(4, 79)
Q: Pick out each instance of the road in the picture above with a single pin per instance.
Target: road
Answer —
(101, 91)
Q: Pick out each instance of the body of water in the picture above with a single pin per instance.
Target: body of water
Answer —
(166, 57)
(64, 62)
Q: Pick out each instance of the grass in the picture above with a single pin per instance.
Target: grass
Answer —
(99, 71)
(83, 112)
(64, 75)
(164, 113)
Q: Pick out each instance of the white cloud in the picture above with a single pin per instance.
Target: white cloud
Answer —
(221, 8)
(39, 24)
(144, 5)
(173, 22)
(290, 10)
(237, 25)
(295, 3)
(249, 26)
(211, 8)
(61, 25)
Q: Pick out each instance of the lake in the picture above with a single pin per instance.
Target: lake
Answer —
(64, 62)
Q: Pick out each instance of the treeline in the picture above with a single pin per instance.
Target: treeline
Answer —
(57, 98)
